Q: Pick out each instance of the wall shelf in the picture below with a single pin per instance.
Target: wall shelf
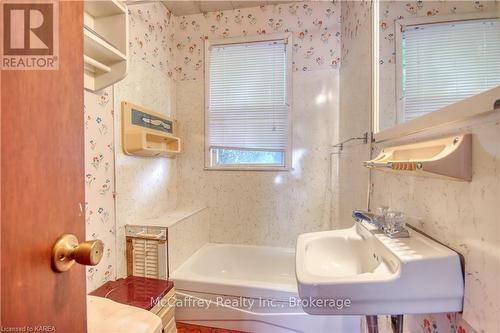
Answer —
(95, 66)
(101, 50)
(147, 133)
(104, 8)
(105, 43)
(449, 158)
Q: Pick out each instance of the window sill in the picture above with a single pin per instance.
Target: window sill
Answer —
(248, 168)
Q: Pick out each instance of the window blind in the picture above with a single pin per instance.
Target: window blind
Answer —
(447, 62)
(247, 96)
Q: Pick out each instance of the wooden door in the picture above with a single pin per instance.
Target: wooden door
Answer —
(42, 186)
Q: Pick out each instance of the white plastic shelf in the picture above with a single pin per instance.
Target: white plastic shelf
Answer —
(105, 43)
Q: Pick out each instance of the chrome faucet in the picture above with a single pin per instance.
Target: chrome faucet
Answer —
(378, 221)
(364, 216)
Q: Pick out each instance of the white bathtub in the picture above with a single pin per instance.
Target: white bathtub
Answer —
(248, 288)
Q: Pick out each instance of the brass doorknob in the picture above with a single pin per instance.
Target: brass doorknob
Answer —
(67, 251)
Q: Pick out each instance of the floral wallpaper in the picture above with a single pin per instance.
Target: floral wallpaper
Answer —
(174, 46)
(355, 15)
(439, 323)
(355, 49)
(99, 182)
(315, 27)
(151, 55)
(151, 37)
(391, 11)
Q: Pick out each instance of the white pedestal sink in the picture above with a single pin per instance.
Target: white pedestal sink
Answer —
(361, 272)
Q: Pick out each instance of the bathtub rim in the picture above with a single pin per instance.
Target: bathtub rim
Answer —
(186, 280)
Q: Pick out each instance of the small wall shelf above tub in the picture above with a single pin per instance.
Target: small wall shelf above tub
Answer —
(105, 36)
(147, 133)
(449, 158)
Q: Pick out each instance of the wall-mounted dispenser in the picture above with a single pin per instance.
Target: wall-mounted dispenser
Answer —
(449, 158)
(147, 133)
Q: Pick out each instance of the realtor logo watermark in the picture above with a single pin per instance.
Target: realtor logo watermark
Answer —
(252, 303)
(30, 35)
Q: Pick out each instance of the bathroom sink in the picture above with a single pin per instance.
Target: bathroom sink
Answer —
(361, 272)
(107, 316)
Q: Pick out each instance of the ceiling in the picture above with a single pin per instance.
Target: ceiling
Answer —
(179, 8)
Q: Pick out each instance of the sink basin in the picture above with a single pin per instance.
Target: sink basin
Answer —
(361, 272)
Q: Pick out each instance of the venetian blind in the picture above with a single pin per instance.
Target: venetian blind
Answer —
(447, 62)
(247, 96)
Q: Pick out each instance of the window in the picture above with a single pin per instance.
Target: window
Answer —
(248, 104)
(443, 63)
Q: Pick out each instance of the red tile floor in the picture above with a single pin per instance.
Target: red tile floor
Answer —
(188, 328)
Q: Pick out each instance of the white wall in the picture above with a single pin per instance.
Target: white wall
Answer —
(272, 208)
(463, 216)
(145, 187)
(355, 108)
(267, 208)
(460, 214)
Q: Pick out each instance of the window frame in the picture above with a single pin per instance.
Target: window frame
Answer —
(287, 38)
(399, 27)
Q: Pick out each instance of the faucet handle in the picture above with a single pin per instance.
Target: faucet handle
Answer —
(395, 225)
(382, 210)
(395, 221)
